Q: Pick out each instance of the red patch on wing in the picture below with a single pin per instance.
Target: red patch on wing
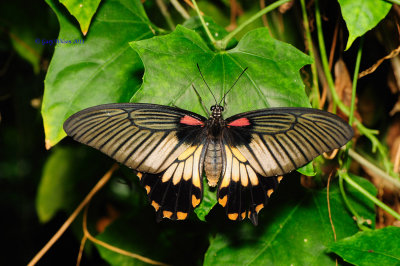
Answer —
(241, 122)
(191, 121)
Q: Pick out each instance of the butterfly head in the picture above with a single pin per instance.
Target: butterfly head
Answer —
(216, 110)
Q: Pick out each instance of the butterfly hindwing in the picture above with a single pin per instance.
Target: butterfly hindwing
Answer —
(242, 191)
(178, 189)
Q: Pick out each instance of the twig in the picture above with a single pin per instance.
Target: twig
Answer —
(180, 9)
(81, 247)
(329, 210)
(164, 11)
(329, 206)
(113, 248)
(72, 217)
(368, 71)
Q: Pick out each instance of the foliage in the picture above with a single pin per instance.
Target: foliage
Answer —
(128, 51)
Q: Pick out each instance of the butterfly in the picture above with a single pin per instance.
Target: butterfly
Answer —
(244, 155)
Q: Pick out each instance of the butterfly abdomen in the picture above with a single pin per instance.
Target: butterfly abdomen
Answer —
(213, 162)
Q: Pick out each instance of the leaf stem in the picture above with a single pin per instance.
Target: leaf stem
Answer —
(227, 38)
(355, 79)
(382, 205)
(314, 87)
(361, 160)
(360, 221)
(204, 23)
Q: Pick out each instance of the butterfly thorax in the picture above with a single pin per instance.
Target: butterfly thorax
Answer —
(213, 157)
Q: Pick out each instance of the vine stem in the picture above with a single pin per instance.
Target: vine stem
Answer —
(314, 89)
(361, 160)
(355, 79)
(72, 217)
(370, 134)
(204, 23)
(227, 38)
(379, 203)
(359, 219)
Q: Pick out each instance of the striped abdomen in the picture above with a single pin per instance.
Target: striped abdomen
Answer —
(213, 162)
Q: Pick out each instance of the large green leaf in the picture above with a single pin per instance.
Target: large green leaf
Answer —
(66, 179)
(83, 11)
(362, 16)
(378, 247)
(102, 70)
(272, 78)
(294, 229)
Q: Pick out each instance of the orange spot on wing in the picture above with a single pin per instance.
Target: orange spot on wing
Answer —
(140, 175)
(233, 216)
(181, 215)
(155, 205)
(195, 201)
(167, 214)
(222, 201)
(259, 207)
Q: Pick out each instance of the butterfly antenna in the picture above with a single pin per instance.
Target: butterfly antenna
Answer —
(201, 101)
(223, 98)
(206, 84)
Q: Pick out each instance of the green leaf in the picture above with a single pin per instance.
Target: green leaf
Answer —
(172, 242)
(362, 16)
(377, 247)
(216, 30)
(83, 11)
(26, 25)
(307, 169)
(208, 202)
(101, 70)
(294, 229)
(27, 45)
(272, 78)
(66, 179)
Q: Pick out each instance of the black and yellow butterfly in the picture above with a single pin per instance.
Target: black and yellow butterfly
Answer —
(170, 148)
(245, 154)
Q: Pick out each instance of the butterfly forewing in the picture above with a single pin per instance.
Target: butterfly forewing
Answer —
(277, 141)
(144, 137)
